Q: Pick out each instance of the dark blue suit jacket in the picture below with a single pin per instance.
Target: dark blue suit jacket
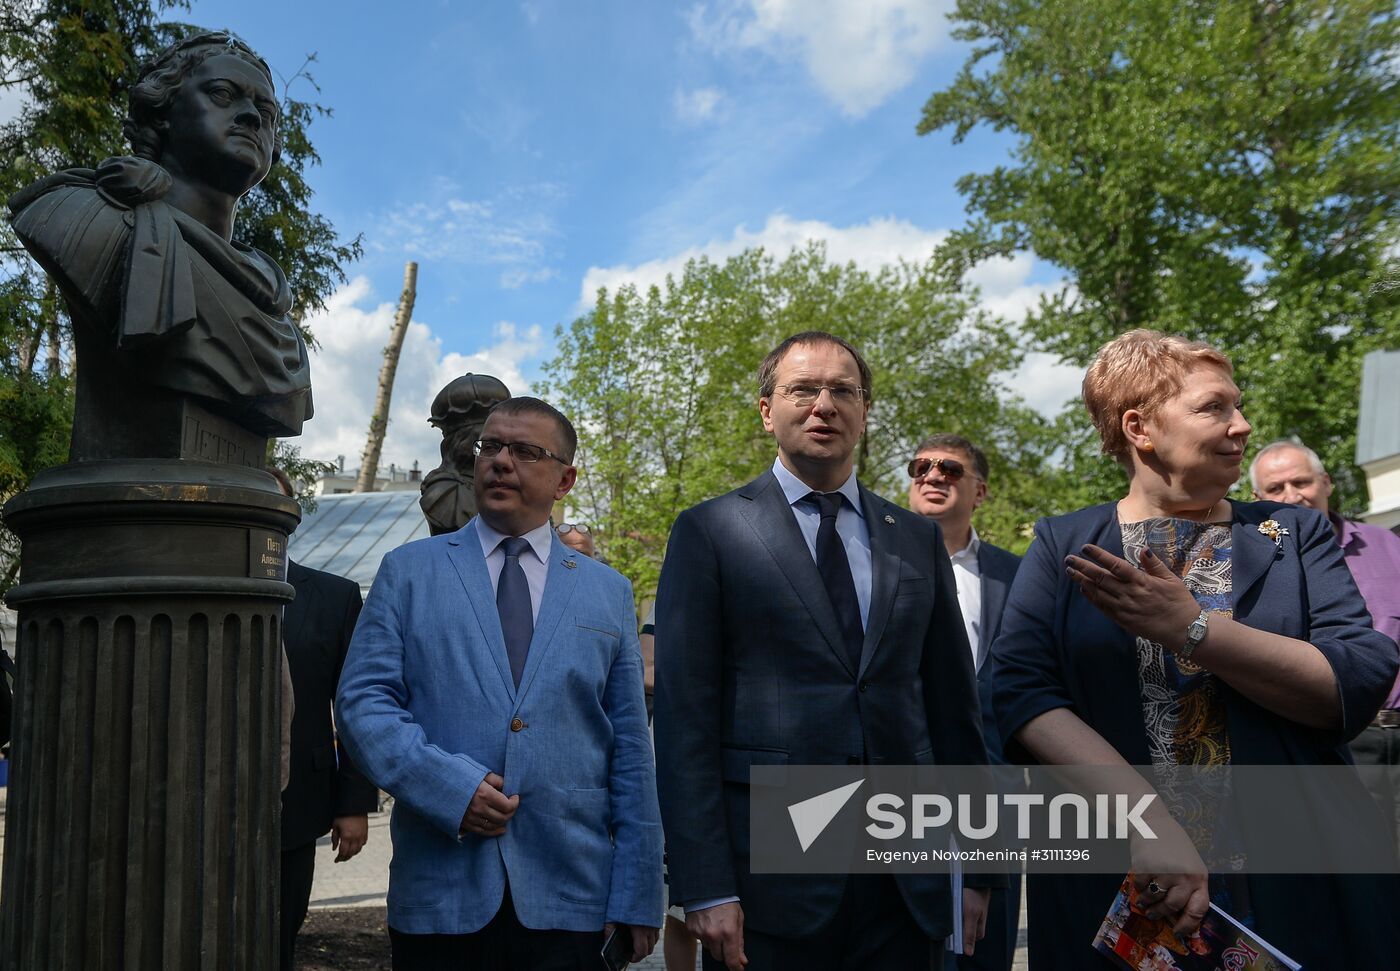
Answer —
(998, 568)
(324, 784)
(1056, 650)
(751, 670)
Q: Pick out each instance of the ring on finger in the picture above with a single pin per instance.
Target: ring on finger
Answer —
(1154, 887)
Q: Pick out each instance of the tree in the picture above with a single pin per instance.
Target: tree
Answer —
(73, 62)
(663, 388)
(379, 418)
(1223, 169)
(301, 470)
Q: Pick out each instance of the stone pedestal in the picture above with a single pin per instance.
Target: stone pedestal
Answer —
(144, 799)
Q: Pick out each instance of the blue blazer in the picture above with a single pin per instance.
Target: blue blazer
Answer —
(428, 707)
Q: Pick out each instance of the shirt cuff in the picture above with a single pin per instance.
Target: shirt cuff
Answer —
(691, 906)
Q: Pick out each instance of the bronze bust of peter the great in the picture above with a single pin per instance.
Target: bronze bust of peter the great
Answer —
(170, 316)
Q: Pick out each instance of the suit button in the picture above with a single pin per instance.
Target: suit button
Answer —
(516, 724)
(864, 685)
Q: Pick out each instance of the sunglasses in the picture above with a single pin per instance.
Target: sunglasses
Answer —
(950, 469)
(564, 529)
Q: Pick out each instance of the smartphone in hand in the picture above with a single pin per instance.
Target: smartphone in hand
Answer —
(617, 950)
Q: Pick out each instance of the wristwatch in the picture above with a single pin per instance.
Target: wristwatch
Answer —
(1194, 635)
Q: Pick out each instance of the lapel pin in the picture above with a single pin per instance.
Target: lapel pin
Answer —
(889, 519)
(570, 564)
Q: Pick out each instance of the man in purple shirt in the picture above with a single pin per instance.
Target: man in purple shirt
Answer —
(1286, 471)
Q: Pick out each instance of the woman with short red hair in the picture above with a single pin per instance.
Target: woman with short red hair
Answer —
(1179, 630)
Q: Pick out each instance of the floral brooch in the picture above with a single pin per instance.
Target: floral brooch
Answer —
(1272, 529)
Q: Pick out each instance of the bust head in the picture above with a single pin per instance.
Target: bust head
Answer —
(459, 411)
(158, 122)
(466, 399)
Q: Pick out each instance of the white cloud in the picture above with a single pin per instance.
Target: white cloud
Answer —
(859, 52)
(1005, 283)
(870, 245)
(517, 278)
(1045, 384)
(1042, 381)
(512, 228)
(700, 105)
(13, 98)
(1005, 287)
(352, 331)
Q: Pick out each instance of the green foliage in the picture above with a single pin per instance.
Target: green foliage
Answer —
(663, 389)
(1226, 170)
(36, 411)
(303, 472)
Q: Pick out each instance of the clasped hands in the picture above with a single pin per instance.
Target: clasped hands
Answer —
(487, 815)
(490, 808)
(1150, 602)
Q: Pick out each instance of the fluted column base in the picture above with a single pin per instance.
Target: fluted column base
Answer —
(142, 827)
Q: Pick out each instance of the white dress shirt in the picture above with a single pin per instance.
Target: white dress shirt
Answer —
(969, 579)
(534, 561)
(850, 526)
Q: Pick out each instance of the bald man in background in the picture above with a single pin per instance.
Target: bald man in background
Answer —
(1288, 471)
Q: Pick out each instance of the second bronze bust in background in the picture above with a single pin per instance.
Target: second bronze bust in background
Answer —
(459, 411)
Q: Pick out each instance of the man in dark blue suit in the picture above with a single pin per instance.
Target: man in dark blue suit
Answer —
(948, 482)
(803, 620)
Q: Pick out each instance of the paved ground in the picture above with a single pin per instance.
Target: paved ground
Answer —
(362, 882)
(358, 882)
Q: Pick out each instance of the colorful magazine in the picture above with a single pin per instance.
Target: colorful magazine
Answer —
(1137, 942)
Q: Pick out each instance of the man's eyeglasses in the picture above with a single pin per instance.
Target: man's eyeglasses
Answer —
(520, 451)
(950, 469)
(804, 395)
(564, 529)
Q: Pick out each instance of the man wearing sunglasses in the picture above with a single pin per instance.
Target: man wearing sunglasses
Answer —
(803, 620)
(494, 688)
(947, 483)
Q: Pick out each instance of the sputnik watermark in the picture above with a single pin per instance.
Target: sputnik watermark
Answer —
(864, 818)
(1110, 817)
(811, 816)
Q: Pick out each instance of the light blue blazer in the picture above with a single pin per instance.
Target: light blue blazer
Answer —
(427, 707)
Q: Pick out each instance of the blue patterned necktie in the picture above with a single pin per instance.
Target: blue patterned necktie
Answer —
(513, 604)
(836, 574)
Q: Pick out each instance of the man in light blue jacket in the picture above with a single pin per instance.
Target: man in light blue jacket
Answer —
(494, 688)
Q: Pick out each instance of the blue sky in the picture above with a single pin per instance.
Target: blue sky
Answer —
(524, 153)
